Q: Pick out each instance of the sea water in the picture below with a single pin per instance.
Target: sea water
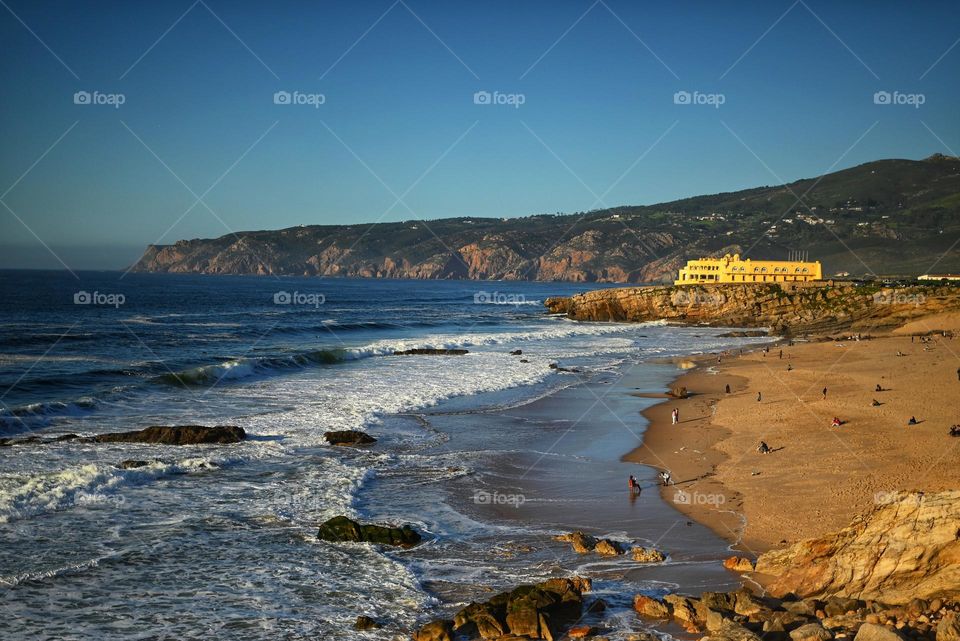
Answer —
(488, 454)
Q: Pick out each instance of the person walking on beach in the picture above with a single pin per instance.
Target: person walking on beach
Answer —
(781, 354)
(727, 389)
(824, 393)
(665, 478)
(634, 486)
(763, 448)
(675, 416)
(759, 397)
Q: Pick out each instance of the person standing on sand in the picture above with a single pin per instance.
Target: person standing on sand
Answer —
(781, 354)
(675, 416)
(958, 373)
(824, 393)
(759, 397)
(727, 389)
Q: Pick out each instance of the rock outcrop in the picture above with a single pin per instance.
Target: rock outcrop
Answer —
(907, 548)
(175, 435)
(647, 555)
(786, 310)
(541, 611)
(341, 529)
(584, 544)
(743, 616)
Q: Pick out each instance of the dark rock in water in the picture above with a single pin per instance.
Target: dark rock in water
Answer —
(516, 352)
(132, 464)
(175, 435)
(366, 623)
(431, 352)
(744, 333)
(340, 529)
(30, 440)
(523, 360)
(564, 369)
(349, 437)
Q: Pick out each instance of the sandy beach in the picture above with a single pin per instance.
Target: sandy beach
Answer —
(817, 477)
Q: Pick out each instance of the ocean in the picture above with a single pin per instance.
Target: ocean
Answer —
(488, 454)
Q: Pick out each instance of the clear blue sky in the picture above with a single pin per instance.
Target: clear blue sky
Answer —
(398, 79)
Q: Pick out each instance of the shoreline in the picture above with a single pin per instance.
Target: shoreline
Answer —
(665, 447)
(817, 477)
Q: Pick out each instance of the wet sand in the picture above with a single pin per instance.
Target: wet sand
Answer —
(817, 478)
(562, 456)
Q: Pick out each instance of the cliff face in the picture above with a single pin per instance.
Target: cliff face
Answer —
(895, 213)
(811, 309)
(907, 548)
(410, 251)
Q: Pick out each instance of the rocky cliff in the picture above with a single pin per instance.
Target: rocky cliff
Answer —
(906, 548)
(891, 213)
(824, 308)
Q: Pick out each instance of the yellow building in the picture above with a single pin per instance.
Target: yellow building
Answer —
(730, 269)
(951, 277)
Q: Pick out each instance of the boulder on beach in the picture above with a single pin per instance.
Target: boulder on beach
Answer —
(874, 632)
(949, 628)
(348, 437)
(738, 564)
(341, 529)
(175, 435)
(648, 555)
(435, 631)
(584, 544)
(424, 351)
(679, 392)
(541, 611)
(811, 632)
(905, 548)
(650, 607)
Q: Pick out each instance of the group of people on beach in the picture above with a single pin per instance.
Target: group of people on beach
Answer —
(665, 479)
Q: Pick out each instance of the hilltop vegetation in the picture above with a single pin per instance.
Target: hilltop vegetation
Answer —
(888, 217)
